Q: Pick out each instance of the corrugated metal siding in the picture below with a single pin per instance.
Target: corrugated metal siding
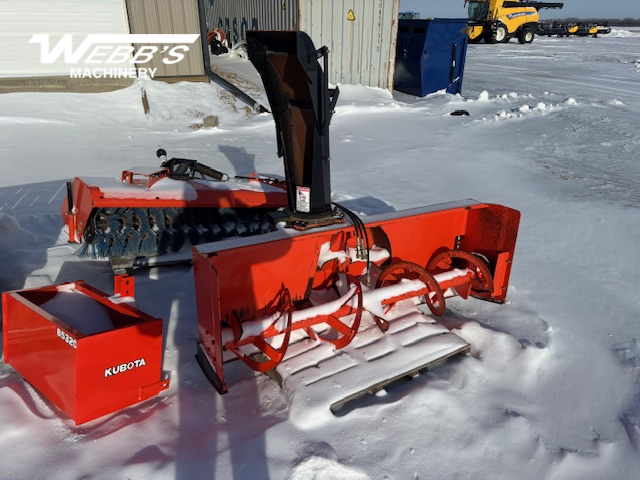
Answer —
(20, 20)
(169, 16)
(362, 48)
(238, 16)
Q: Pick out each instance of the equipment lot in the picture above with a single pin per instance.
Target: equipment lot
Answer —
(550, 388)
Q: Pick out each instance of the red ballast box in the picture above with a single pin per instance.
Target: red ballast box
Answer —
(87, 352)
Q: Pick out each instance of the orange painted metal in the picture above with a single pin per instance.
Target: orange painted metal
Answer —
(480, 278)
(237, 282)
(273, 355)
(218, 34)
(145, 179)
(70, 220)
(432, 290)
(124, 285)
(131, 192)
(84, 375)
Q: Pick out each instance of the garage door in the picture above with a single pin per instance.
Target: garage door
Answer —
(20, 20)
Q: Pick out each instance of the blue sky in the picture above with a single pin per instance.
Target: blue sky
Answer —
(572, 8)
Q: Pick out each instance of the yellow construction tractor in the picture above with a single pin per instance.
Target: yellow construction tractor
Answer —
(496, 21)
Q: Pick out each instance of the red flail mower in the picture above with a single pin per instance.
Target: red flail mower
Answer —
(283, 273)
(155, 211)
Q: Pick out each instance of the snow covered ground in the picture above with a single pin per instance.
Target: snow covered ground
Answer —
(551, 389)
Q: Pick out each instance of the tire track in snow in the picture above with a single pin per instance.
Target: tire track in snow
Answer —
(570, 79)
(597, 150)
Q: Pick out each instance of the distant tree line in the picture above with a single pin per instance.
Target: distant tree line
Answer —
(616, 22)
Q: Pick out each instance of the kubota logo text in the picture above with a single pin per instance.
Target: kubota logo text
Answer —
(103, 49)
(124, 367)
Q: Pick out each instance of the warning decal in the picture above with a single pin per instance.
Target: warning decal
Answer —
(303, 202)
(350, 16)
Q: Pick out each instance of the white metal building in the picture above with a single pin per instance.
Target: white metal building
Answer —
(20, 20)
(360, 34)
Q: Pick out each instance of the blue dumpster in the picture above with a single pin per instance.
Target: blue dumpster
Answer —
(430, 55)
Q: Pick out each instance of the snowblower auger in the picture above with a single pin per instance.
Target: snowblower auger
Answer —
(326, 291)
(332, 291)
(156, 210)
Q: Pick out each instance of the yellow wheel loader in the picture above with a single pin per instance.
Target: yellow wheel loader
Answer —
(496, 21)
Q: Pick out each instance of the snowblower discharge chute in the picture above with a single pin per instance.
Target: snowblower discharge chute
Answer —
(324, 290)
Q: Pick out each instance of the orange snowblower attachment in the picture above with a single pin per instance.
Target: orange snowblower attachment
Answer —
(325, 276)
(257, 297)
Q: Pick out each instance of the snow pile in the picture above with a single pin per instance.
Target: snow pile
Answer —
(320, 468)
(12, 235)
(78, 311)
(525, 109)
(484, 96)
(622, 33)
